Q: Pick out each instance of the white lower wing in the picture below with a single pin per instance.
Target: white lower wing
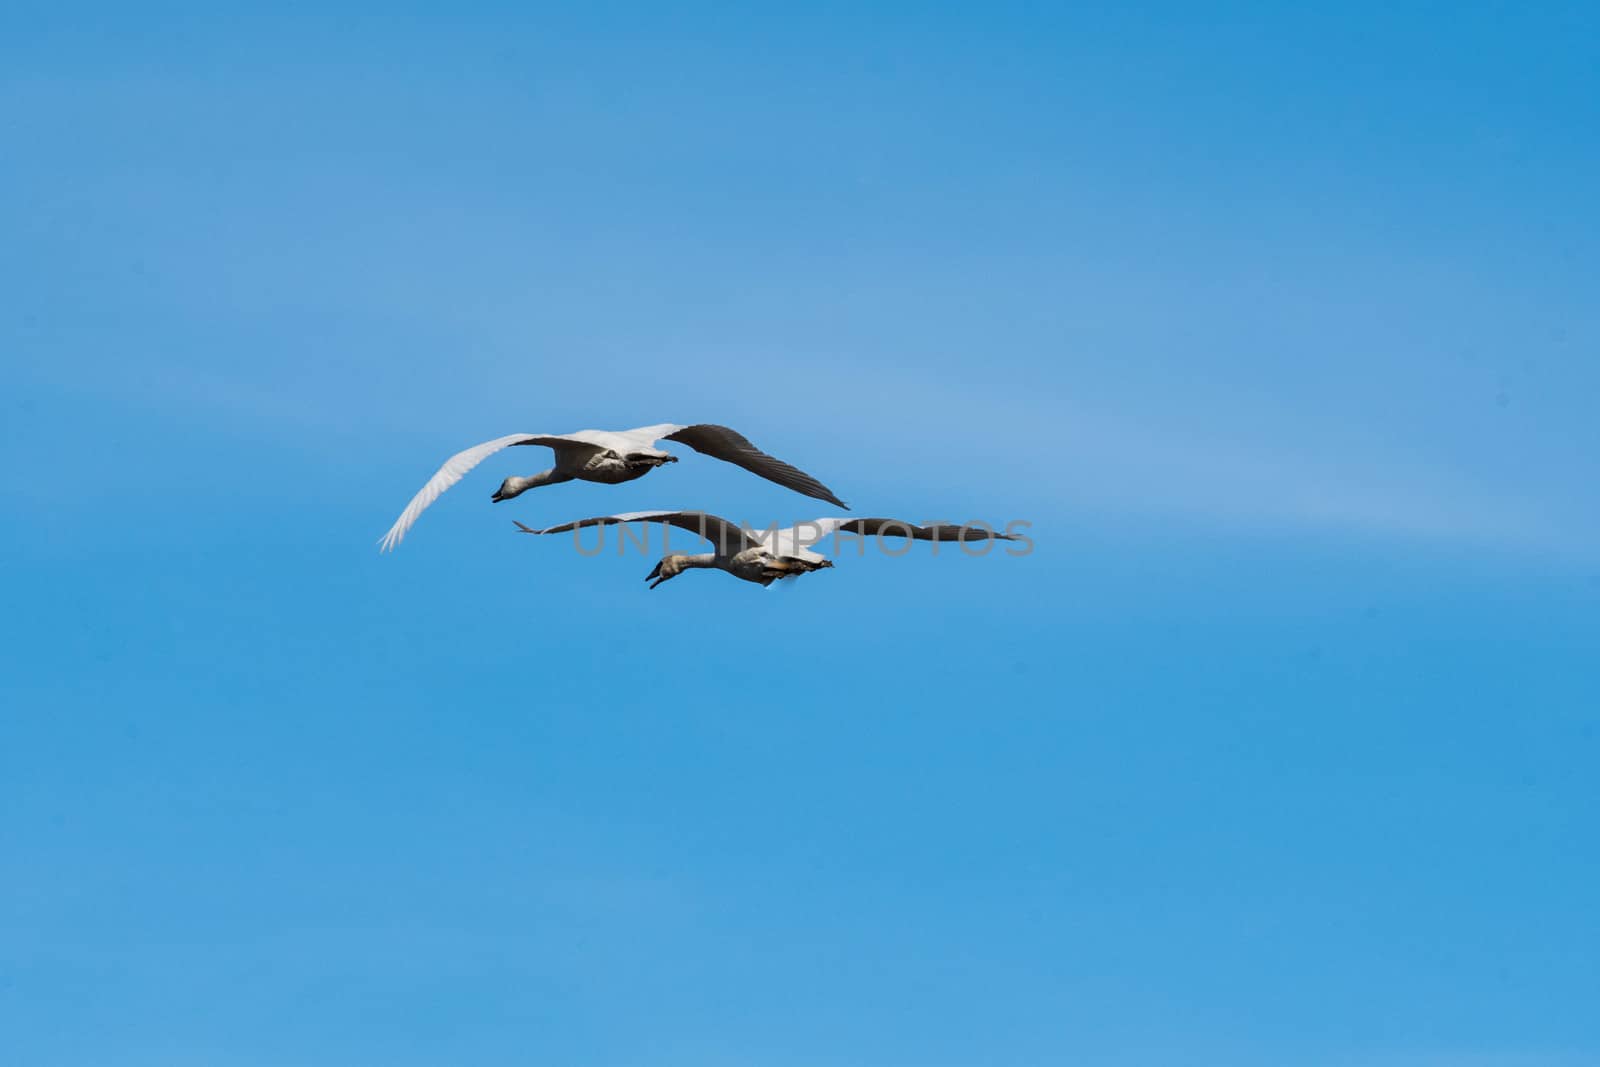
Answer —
(455, 468)
(797, 539)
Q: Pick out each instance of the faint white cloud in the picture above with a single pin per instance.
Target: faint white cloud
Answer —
(1208, 468)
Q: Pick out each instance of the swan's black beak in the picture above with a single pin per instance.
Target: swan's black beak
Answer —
(498, 496)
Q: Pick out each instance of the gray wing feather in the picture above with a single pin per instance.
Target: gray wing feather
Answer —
(939, 531)
(719, 442)
(720, 532)
(801, 538)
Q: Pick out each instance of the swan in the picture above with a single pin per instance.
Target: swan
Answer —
(610, 457)
(764, 556)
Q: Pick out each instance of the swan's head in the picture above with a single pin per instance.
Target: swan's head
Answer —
(669, 567)
(511, 487)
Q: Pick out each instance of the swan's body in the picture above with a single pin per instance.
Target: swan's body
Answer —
(609, 457)
(764, 556)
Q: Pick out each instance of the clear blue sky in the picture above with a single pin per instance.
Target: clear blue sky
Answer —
(1280, 326)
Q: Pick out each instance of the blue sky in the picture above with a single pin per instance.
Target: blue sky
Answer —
(1279, 326)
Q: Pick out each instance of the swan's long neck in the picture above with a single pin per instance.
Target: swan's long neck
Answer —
(675, 564)
(518, 486)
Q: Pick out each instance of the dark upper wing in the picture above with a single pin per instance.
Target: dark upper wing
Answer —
(719, 442)
(725, 535)
(939, 531)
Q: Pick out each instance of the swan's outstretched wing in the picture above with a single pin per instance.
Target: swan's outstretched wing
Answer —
(727, 536)
(797, 540)
(939, 531)
(730, 446)
(454, 469)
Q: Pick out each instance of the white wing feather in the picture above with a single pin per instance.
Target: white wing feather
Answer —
(455, 468)
(796, 540)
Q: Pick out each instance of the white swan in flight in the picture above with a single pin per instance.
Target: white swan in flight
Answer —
(764, 556)
(611, 457)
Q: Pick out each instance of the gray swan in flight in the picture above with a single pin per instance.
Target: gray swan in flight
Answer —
(609, 457)
(764, 556)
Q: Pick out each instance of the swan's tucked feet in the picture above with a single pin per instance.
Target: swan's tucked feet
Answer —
(649, 463)
(792, 568)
